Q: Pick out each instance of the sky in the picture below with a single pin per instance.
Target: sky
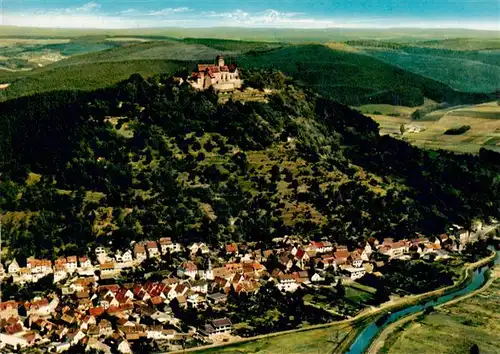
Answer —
(471, 14)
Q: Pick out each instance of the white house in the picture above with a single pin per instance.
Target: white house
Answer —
(42, 307)
(85, 262)
(13, 267)
(140, 252)
(124, 346)
(152, 248)
(12, 341)
(199, 246)
(101, 252)
(71, 264)
(107, 268)
(166, 244)
(355, 273)
(222, 325)
(317, 278)
(155, 332)
(127, 256)
(356, 260)
(60, 273)
(287, 282)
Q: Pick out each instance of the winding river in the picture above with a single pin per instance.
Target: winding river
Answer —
(364, 339)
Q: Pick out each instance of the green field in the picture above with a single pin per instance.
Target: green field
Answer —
(317, 341)
(357, 295)
(452, 329)
(483, 119)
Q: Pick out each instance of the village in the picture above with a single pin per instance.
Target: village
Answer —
(90, 308)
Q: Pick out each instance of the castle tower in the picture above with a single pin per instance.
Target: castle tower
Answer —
(220, 60)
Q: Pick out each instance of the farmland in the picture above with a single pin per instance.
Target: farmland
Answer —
(484, 120)
(454, 328)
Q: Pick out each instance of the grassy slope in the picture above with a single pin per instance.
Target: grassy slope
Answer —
(316, 341)
(453, 329)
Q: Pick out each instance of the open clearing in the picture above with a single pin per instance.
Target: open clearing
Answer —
(453, 329)
(317, 341)
(484, 120)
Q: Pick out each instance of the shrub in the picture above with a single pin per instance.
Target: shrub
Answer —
(457, 131)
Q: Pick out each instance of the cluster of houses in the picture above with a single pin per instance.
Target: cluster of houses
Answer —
(108, 266)
(111, 317)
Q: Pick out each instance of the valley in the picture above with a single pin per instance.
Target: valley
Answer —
(428, 131)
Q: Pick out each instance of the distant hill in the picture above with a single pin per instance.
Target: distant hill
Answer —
(450, 61)
(354, 78)
(463, 43)
(291, 35)
(350, 77)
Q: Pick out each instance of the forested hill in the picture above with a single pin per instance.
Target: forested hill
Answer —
(150, 158)
(340, 72)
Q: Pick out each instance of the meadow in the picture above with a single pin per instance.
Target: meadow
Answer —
(316, 341)
(484, 120)
(452, 329)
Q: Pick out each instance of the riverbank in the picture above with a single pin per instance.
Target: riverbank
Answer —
(454, 326)
(358, 322)
(378, 342)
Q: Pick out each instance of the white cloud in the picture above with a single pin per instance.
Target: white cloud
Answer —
(169, 11)
(91, 15)
(127, 12)
(88, 7)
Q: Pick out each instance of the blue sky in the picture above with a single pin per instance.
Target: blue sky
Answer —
(476, 14)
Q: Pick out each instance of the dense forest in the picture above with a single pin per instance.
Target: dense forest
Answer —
(152, 158)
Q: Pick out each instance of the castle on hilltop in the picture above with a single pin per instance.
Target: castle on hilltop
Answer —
(221, 77)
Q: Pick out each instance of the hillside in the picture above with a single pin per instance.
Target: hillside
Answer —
(85, 77)
(354, 78)
(349, 77)
(449, 62)
(145, 160)
(462, 44)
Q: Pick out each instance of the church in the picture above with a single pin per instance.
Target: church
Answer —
(222, 77)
